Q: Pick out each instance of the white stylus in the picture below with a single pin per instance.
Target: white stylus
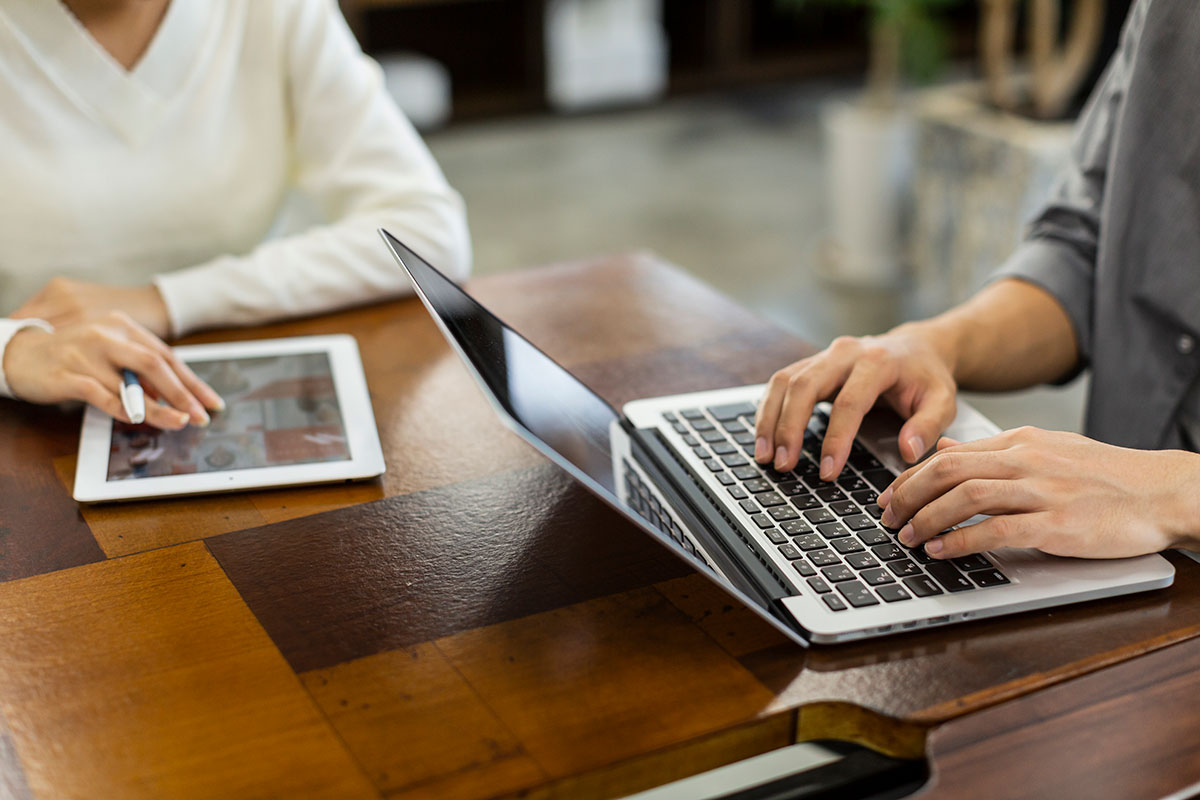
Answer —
(133, 397)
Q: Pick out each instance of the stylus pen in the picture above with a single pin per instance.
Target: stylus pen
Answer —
(133, 397)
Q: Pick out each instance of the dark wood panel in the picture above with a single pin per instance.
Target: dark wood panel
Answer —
(405, 570)
(1127, 732)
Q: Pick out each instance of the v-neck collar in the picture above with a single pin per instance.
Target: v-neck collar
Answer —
(131, 102)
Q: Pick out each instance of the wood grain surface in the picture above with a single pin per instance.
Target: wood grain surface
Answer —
(472, 624)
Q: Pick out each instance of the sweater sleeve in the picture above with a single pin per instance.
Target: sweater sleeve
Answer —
(1060, 249)
(363, 166)
(8, 329)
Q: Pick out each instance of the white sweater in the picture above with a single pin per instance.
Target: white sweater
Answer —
(177, 172)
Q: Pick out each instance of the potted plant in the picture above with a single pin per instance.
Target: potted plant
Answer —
(869, 142)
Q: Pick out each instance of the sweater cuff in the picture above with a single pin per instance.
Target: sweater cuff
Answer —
(192, 299)
(8, 329)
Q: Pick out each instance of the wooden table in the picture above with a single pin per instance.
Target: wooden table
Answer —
(473, 624)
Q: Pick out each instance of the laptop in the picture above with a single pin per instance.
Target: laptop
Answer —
(810, 557)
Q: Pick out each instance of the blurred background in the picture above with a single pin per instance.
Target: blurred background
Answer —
(838, 166)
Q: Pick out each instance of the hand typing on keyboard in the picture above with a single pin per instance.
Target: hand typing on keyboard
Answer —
(902, 368)
(1062, 493)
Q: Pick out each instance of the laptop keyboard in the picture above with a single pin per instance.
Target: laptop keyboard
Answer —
(829, 532)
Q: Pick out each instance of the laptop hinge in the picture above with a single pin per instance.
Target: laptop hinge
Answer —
(738, 556)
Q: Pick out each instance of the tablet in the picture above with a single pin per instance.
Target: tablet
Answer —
(297, 411)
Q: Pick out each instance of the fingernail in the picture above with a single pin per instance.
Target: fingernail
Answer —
(780, 458)
(182, 419)
(908, 535)
(888, 518)
(885, 498)
(202, 419)
(933, 546)
(827, 468)
(219, 405)
(762, 451)
(918, 446)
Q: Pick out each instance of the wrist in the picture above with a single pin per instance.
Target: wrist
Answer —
(938, 335)
(152, 311)
(13, 359)
(1181, 523)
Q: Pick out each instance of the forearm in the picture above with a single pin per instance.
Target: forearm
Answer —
(1011, 335)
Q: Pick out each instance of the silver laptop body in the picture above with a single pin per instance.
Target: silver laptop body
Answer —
(809, 557)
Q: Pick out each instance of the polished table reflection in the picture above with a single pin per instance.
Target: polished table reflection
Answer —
(474, 624)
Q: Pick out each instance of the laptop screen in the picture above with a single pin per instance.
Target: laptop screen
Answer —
(551, 403)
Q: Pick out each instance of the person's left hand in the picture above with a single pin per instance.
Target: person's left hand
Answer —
(65, 301)
(1061, 493)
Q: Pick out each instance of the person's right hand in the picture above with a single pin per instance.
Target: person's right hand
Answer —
(84, 362)
(901, 367)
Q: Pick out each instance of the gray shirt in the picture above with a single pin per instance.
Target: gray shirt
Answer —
(1118, 242)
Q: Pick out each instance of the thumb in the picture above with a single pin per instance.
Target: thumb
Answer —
(931, 417)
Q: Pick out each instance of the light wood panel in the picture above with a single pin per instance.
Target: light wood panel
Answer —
(148, 677)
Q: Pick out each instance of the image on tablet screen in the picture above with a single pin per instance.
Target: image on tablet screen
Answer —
(280, 410)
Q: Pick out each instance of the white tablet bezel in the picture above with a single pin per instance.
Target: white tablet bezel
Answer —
(350, 385)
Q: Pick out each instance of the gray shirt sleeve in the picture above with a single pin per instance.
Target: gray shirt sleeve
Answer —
(1059, 251)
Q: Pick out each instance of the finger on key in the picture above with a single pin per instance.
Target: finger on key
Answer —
(866, 382)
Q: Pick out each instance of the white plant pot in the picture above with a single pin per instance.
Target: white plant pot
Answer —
(869, 163)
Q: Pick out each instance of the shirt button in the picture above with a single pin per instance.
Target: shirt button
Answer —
(1185, 344)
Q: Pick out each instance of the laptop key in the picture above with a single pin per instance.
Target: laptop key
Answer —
(730, 411)
(819, 585)
(670, 417)
(887, 552)
(921, 586)
(834, 602)
(874, 510)
(988, 577)
(856, 594)
(790, 551)
(837, 573)
(724, 478)
(737, 492)
(783, 513)
(679, 427)
(768, 499)
(847, 545)
(690, 441)
(750, 474)
(701, 425)
(818, 516)
(691, 413)
(744, 438)
(876, 577)
(791, 488)
(949, 577)
(823, 558)
(775, 536)
(853, 484)
(713, 465)
(919, 555)
(859, 522)
(832, 530)
(873, 537)
(755, 485)
(749, 506)
(830, 493)
(713, 436)
(763, 521)
(724, 449)
(903, 568)
(806, 502)
(809, 541)
(796, 527)
(844, 508)
(861, 561)
(863, 498)
(893, 593)
(735, 460)
(879, 478)
(734, 427)
(804, 568)
(971, 562)
(701, 452)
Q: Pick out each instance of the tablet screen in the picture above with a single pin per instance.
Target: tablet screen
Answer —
(280, 410)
